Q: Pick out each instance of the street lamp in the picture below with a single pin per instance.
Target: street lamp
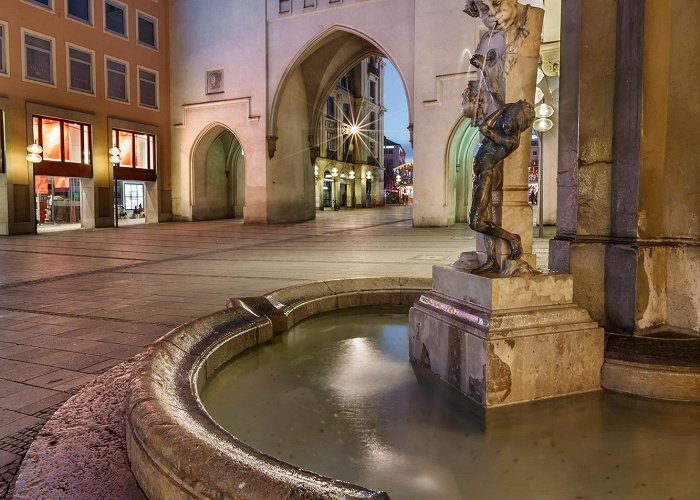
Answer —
(334, 174)
(115, 159)
(541, 125)
(351, 176)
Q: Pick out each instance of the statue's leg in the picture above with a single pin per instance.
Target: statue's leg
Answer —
(480, 212)
(480, 215)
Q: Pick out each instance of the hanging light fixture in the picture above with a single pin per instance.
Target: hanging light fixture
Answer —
(368, 175)
(539, 95)
(542, 124)
(334, 172)
(115, 155)
(34, 155)
(351, 175)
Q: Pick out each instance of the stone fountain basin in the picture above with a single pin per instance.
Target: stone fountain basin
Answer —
(175, 448)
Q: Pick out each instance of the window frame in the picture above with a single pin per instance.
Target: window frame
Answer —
(4, 49)
(52, 40)
(147, 17)
(3, 143)
(39, 5)
(312, 4)
(125, 9)
(62, 167)
(139, 69)
(127, 80)
(133, 172)
(289, 7)
(69, 87)
(91, 14)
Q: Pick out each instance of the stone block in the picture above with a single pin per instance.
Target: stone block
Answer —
(502, 341)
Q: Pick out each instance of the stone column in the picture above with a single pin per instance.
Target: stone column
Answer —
(628, 204)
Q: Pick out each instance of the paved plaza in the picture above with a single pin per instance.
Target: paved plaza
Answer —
(75, 303)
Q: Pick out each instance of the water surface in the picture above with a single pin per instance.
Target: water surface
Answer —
(338, 396)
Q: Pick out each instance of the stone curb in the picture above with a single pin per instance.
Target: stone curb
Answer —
(177, 451)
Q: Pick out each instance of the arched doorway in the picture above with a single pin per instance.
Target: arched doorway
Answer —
(460, 153)
(295, 136)
(218, 173)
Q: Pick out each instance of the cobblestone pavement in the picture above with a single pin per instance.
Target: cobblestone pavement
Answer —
(75, 303)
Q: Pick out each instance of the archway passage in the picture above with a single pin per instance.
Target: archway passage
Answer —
(300, 108)
(218, 176)
(462, 147)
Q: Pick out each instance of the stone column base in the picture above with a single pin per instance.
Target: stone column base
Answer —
(502, 341)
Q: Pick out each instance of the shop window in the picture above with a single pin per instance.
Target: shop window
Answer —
(115, 18)
(148, 88)
(80, 70)
(137, 150)
(133, 196)
(3, 48)
(117, 87)
(285, 6)
(147, 31)
(63, 141)
(2, 141)
(38, 58)
(80, 10)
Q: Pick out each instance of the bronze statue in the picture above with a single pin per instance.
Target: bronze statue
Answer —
(501, 131)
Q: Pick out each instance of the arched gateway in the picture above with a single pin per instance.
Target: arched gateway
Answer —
(264, 69)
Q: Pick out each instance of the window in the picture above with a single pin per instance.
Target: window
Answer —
(309, 3)
(346, 112)
(41, 3)
(285, 6)
(372, 90)
(2, 142)
(133, 195)
(3, 49)
(80, 10)
(115, 18)
(330, 107)
(372, 121)
(63, 141)
(330, 140)
(80, 76)
(117, 86)
(137, 150)
(148, 88)
(335, 1)
(38, 58)
(147, 31)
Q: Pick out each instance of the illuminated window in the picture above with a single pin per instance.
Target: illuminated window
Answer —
(2, 142)
(117, 87)
(80, 70)
(137, 150)
(63, 141)
(147, 30)
(38, 58)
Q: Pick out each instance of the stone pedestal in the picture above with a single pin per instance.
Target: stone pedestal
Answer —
(506, 340)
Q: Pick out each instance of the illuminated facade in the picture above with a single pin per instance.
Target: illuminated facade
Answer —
(78, 78)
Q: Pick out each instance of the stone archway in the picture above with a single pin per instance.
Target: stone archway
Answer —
(296, 110)
(462, 145)
(218, 175)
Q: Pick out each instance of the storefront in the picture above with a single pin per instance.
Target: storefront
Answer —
(62, 159)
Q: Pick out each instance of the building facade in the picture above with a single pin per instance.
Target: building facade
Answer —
(346, 169)
(77, 78)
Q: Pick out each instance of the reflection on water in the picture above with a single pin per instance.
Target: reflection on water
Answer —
(338, 396)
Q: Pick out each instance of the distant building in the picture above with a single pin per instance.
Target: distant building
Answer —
(348, 166)
(394, 155)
